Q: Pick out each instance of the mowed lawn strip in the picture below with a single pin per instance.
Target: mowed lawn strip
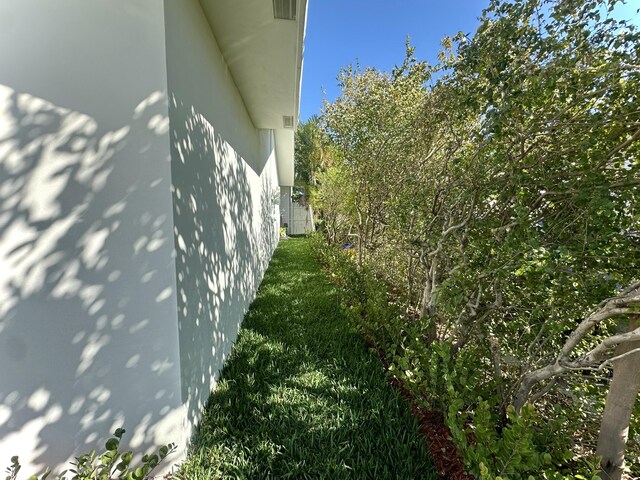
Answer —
(301, 396)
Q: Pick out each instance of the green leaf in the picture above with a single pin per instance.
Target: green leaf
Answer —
(164, 450)
(112, 444)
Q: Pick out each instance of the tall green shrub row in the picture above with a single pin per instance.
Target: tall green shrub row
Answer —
(495, 222)
(529, 445)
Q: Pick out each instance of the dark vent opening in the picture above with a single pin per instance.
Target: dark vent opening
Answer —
(287, 121)
(284, 9)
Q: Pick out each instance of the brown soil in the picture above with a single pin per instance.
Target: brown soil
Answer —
(437, 435)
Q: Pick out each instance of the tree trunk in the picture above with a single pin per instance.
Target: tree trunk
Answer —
(622, 395)
(313, 218)
(425, 303)
(531, 379)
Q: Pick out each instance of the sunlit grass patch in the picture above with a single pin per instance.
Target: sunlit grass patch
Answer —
(301, 395)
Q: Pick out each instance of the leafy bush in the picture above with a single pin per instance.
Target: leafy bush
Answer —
(111, 464)
(495, 442)
(494, 213)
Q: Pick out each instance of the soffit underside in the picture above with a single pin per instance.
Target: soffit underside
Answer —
(264, 55)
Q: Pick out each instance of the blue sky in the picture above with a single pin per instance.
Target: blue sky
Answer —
(373, 32)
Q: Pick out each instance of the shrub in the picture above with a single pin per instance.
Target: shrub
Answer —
(111, 464)
(494, 442)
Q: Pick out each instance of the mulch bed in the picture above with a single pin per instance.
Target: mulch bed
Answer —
(442, 449)
(437, 435)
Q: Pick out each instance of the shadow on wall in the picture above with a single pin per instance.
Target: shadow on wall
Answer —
(225, 232)
(86, 280)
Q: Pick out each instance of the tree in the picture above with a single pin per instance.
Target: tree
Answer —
(501, 201)
(312, 154)
(373, 127)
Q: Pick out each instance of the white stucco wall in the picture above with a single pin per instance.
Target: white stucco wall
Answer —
(138, 213)
(285, 206)
(225, 200)
(88, 315)
(301, 219)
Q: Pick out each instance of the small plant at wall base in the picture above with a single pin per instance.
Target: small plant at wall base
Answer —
(111, 465)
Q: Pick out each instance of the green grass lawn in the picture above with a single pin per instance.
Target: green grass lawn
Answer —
(301, 396)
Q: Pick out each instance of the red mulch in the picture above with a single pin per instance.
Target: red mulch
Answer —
(445, 456)
(437, 435)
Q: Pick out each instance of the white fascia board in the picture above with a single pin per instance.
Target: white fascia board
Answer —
(302, 31)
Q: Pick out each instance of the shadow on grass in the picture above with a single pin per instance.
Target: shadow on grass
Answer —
(301, 396)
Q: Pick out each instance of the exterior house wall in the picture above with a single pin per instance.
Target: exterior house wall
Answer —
(225, 190)
(285, 206)
(301, 221)
(299, 218)
(138, 212)
(88, 317)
